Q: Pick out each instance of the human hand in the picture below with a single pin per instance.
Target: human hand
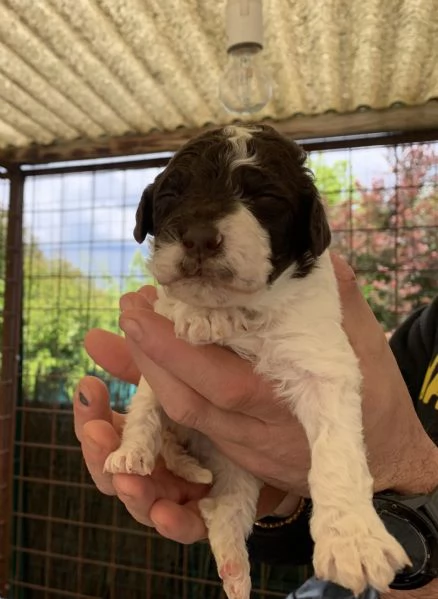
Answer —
(162, 500)
(98, 428)
(212, 390)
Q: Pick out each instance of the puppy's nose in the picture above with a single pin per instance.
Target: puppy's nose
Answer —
(201, 240)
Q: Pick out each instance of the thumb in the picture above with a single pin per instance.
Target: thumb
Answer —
(358, 319)
(91, 402)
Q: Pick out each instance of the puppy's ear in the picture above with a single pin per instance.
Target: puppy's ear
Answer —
(144, 216)
(319, 230)
(311, 230)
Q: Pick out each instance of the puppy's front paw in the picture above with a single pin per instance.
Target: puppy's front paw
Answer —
(358, 553)
(133, 460)
(195, 328)
(212, 326)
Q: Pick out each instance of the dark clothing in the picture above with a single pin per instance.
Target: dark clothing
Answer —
(415, 346)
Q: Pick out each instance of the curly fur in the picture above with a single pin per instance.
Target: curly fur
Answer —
(263, 285)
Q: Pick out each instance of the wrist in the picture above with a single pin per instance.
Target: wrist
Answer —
(278, 520)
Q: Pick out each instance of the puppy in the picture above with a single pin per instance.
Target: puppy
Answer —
(240, 253)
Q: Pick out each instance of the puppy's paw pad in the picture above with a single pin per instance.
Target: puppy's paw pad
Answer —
(236, 579)
(130, 461)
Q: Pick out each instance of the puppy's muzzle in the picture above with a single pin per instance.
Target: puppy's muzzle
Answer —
(200, 243)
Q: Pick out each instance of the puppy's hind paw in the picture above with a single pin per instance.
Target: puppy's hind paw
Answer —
(130, 461)
(236, 580)
(191, 472)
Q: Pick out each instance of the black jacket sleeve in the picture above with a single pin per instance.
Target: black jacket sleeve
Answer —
(414, 344)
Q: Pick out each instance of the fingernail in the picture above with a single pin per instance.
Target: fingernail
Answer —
(131, 328)
(84, 401)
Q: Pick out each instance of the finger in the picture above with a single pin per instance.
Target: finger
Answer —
(187, 407)
(144, 298)
(343, 271)
(99, 439)
(110, 352)
(213, 372)
(367, 339)
(184, 523)
(91, 402)
(181, 523)
(359, 321)
(139, 493)
(149, 293)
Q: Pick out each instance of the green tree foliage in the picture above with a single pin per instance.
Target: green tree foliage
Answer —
(139, 274)
(332, 180)
(61, 304)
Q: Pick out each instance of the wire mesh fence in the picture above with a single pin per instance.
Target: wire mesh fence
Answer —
(68, 539)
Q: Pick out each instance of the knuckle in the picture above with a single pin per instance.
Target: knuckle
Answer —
(239, 394)
(183, 414)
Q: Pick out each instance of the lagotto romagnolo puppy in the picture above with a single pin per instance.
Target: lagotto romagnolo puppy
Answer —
(239, 249)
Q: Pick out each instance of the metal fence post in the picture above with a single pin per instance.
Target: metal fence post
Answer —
(10, 367)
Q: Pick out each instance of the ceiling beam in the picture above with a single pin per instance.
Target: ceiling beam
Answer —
(396, 119)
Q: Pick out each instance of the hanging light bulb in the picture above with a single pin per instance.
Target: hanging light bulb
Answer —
(245, 86)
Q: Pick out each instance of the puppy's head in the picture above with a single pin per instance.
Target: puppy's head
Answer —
(231, 212)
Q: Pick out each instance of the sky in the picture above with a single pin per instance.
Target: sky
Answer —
(95, 236)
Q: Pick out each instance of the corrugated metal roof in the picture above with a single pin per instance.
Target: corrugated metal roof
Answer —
(72, 69)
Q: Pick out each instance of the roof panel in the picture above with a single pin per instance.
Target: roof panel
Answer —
(94, 69)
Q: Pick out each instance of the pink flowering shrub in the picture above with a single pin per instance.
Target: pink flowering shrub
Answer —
(389, 233)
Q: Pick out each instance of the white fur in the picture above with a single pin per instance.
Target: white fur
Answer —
(292, 332)
(249, 275)
(238, 138)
